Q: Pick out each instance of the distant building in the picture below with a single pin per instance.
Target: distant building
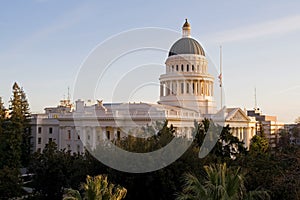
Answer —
(186, 95)
(268, 125)
(294, 133)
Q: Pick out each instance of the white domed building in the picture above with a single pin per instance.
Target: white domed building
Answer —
(187, 83)
(186, 95)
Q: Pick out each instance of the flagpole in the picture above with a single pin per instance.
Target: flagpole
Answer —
(220, 76)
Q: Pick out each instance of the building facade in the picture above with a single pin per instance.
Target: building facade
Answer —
(186, 95)
(267, 125)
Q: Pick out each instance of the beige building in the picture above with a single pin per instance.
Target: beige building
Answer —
(268, 125)
(186, 95)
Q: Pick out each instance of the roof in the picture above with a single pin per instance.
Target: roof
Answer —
(186, 46)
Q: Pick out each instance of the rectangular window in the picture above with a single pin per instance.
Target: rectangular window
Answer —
(69, 134)
(187, 88)
(182, 88)
(39, 140)
(108, 135)
(50, 130)
(78, 148)
(193, 89)
(69, 147)
(50, 139)
(39, 129)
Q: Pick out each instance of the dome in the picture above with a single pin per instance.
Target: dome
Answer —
(186, 45)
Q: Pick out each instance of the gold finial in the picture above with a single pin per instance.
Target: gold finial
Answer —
(186, 24)
(186, 29)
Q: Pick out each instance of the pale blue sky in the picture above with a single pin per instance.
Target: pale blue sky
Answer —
(44, 42)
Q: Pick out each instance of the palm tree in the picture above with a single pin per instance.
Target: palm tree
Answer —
(97, 188)
(221, 183)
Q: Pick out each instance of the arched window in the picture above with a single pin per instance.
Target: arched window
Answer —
(193, 68)
(187, 68)
(182, 68)
(176, 67)
(172, 68)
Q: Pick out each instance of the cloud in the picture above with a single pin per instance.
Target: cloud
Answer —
(268, 28)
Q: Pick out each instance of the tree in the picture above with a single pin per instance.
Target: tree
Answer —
(20, 117)
(259, 145)
(2, 110)
(51, 170)
(220, 183)
(14, 142)
(97, 188)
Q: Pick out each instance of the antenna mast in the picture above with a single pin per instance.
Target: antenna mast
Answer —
(255, 99)
(68, 93)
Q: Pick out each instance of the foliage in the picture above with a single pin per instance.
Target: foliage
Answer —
(20, 118)
(97, 188)
(220, 183)
(259, 145)
(275, 172)
(9, 182)
(14, 142)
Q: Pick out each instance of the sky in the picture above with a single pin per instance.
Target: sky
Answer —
(44, 43)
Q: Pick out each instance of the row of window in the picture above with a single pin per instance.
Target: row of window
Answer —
(50, 130)
(187, 69)
(190, 88)
(88, 135)
(78, 136)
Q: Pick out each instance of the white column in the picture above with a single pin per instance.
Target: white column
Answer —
(60, 138)
(114, 133)
(177, 87)
(94, 137)
(212, 88)
(242, 134)
(247, 136)
(238, 133)
(104, 133)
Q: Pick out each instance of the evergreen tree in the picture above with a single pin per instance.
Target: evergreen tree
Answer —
(19, 115)
(10, 153)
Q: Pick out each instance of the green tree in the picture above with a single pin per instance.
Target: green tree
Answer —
(259, 145)
(98, 188)
(10, 147)
(20, 118)
(220, 183)
(50, 169)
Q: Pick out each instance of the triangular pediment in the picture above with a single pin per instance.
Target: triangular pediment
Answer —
(237, 115)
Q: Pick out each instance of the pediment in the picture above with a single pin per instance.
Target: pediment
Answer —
(237, 115)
